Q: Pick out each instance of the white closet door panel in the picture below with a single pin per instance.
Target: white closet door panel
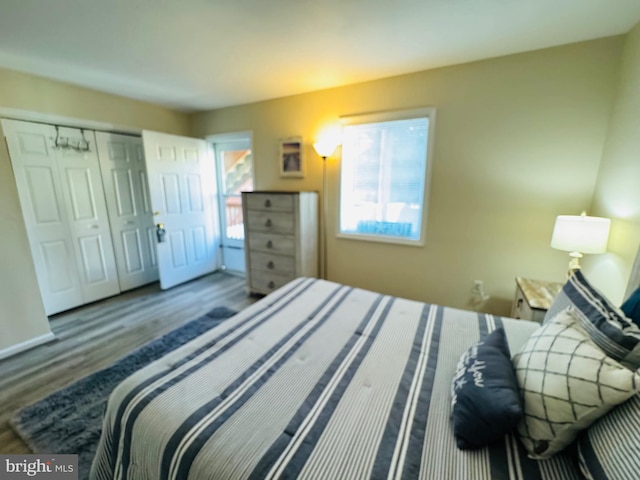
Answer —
(133, 251)
(42, 194)
(124, 175)
(59, 271)
(40, 191)
(124, 193)
(61, 196)
(81, 193)
(182, 190)
(89, 223)
(93, 259)
(52, 248)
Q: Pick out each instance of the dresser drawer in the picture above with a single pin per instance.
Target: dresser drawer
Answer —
(521, 309)
(268, 201)
(266, 282)
(284, 264)
(272, 242)
(261, 221)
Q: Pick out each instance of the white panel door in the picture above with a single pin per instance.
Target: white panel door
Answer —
(124, 175)
(183, 198)
(82, 186)
(64, 209)
(45, 213)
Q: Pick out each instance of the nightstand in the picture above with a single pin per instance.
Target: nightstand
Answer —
(533, 298)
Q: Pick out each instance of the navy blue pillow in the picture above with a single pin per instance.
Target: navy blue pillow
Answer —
(631, 307)
(485, 397)
(608, 326)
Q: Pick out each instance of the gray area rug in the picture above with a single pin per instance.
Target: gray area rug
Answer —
(70, 420)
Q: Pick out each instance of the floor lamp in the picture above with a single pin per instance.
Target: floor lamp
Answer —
(324, 149)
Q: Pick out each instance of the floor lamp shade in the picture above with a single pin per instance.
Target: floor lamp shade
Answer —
(324, 148)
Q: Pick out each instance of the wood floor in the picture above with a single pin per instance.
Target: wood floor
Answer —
(92, 337)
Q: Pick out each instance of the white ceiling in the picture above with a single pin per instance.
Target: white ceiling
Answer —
(203, 54)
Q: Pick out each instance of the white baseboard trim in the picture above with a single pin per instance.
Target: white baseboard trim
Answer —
(31, 343)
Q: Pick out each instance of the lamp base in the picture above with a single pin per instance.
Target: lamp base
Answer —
(574, 263)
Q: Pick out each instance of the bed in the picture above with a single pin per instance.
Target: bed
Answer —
(315, 381)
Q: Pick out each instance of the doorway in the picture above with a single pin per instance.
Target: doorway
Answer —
(234, 167)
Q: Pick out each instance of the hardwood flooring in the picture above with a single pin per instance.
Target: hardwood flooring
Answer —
(94, 336)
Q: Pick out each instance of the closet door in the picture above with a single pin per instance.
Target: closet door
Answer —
(63, 204)
(124, 176)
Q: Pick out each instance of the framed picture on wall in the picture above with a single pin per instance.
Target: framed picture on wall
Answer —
(291, 157)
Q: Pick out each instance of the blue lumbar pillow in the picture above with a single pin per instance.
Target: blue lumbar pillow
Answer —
(485, 397)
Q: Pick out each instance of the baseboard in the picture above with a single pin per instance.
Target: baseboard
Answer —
(31, 343)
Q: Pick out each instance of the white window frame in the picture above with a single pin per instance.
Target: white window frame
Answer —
(379, 117)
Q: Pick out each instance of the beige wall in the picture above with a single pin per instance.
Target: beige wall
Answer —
(617, 194)
(22, 314)
(518, 141)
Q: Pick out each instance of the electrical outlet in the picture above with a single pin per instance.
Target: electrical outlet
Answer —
(477, 293)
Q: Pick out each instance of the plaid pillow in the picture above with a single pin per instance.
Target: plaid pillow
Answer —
(566, 383)
(607, 325)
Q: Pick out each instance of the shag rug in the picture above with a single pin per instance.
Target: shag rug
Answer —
(70, 420)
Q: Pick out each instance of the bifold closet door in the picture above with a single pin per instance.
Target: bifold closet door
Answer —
(64, 208)
(126, 189)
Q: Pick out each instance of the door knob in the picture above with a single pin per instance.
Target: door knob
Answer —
(160, 232)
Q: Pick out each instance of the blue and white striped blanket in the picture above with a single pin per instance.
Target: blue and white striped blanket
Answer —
(315, 381)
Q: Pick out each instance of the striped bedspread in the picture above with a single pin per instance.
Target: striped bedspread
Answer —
(315, 381)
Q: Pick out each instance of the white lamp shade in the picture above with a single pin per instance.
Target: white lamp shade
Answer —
(325, 148)
(327, 141)
(580, 233)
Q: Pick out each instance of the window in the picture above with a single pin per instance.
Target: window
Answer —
(385, 165)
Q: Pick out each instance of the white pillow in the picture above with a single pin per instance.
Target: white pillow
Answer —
(566, 383)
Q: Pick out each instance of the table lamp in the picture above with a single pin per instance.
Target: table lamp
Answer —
(580, 234)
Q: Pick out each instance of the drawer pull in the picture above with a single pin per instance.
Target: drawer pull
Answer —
(271, 265)
(268, 222)
(519, 304)
(269, 244)
(271, 285)
(267, 203)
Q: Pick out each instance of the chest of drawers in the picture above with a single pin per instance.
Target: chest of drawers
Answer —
(281, 238)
